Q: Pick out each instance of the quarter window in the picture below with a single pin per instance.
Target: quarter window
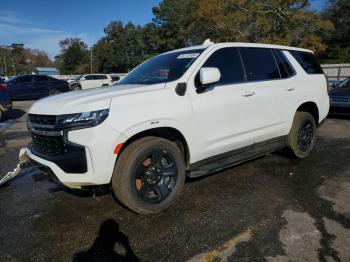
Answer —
(283, 65)
(227, 60)
(307, 62)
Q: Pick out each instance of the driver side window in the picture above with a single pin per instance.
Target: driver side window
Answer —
(228, 61)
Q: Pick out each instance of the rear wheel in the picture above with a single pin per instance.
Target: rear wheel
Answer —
(54, 91)
(149, 175)
(302, 137)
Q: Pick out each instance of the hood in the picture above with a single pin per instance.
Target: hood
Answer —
(340, 92)
(87, 100)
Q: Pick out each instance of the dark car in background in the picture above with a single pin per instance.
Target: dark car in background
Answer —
(340, 97)
(28, 87)
(5, 102)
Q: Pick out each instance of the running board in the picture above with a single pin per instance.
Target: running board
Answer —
(222, 161)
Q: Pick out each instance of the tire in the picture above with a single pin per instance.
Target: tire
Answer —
(54, 91)
(149, 186)
(75, 87)
(302, 137)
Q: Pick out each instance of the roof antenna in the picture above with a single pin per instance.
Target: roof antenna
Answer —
(208, 42)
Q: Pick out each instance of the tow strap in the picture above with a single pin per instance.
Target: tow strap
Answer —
(23, 162)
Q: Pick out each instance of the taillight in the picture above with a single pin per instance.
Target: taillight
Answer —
(3, 86)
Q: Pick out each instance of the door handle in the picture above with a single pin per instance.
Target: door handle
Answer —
(248, 93)
(290, 89)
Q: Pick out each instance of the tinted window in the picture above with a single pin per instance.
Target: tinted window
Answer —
(115, 78)
(259, 64)
(90, 77)
(345, 83)
(307, 62)
(39, 78)
(285, 68)
(23, 79)
(227, 60)
(102, 77)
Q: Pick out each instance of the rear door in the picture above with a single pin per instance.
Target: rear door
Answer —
(21, 88)
(271, 101)
(41, 86)
(89, 82)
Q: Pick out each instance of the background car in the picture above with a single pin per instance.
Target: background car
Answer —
(5, 102)
(92, 81)
(27, 87)
(116, 77)
(340, 97)
(334, 83)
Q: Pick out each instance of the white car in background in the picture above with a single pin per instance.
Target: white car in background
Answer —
(93, 81)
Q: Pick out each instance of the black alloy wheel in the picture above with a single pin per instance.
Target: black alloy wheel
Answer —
(155, 176)
(306, 135)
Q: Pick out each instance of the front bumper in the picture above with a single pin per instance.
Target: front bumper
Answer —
(98, 144)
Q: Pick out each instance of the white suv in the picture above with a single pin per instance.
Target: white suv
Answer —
(189, 112)
(94, 80)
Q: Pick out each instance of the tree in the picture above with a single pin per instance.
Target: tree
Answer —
(74, 54)
(288, 22)
(338, 12)
(124, 47)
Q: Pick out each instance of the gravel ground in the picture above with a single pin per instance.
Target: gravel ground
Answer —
(271, 209)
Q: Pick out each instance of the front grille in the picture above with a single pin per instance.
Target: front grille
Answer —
(49, 142)
(49, 145)
(42, 119)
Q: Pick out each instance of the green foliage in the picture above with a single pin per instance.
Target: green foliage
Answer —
(180, 23)
(124, 47)
(74, 56)
(338, 50)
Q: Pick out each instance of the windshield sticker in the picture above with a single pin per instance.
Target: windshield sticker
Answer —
(188, 56)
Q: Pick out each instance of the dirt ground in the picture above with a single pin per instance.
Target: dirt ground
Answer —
(271, 209)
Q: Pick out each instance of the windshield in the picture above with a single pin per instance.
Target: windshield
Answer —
(345, 83)
(163, 68)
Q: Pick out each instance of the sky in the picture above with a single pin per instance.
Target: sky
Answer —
(42, 23)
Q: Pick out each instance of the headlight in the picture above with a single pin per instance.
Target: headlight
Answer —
(82, 120)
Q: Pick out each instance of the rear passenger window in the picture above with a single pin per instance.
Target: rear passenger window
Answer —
(227, 60)
(259, 64)
(89, 77)
(285, 68)
(307, 62)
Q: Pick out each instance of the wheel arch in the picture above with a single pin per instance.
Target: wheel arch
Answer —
(170, 133)
(312, 108)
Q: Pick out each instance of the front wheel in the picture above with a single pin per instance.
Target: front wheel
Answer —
(149, 175)
(302, 137)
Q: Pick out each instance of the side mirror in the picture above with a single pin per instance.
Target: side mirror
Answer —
(207, 76)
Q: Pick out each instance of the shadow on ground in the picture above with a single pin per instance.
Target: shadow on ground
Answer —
(103, 248)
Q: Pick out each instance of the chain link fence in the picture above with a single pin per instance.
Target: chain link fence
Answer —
(336, 72)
